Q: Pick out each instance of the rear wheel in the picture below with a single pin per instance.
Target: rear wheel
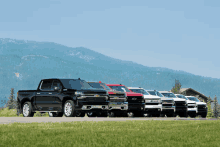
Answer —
(27, 110)
(183, 114)
(203, 115)
(69, 108)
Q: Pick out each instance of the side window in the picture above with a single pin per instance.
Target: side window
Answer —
(46, 85)
(56, 83)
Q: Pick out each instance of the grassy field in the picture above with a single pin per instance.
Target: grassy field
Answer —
(110, 134)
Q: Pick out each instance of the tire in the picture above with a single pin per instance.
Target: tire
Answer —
(69, 109)
(203, 115)
(130, 114)
(170, 115)
(183, 114)
(162, 115)
(55, 114)
(80, 114)
(111, 114)
(156, 115)
(90, 114)
(27, 110)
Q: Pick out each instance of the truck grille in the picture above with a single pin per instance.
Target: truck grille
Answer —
(180, 103)
(191, 106)
(135, 99)
(93, 93)
(167, 105)
(117, 100)
(151, 103)
(117, 95)
(167, 101)
(201, 108)
(96, 99)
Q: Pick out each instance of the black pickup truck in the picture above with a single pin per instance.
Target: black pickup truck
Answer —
(71, 97)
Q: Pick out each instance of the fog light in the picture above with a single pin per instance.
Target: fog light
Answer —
(88, 107)
(103, 107)
(122, 107)
(158, 109)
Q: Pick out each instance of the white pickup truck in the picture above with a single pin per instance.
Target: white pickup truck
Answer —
(153, 104)
(181, 104)
(192, 107)
(168, 104)
(201, 106)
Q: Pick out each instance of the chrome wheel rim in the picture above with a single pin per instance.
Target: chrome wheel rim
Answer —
(90, 113)
(50, 114)
(26, 110)
(68, 109)
(130, 114)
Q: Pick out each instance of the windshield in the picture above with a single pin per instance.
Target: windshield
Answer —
(100, 85)
(75, 84)
(155, 93)
(169, 95)
(142, 91)
(193, 99)
(182, 96)
(120, 88)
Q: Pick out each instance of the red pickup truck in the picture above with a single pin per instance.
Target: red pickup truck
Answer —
(135, 101)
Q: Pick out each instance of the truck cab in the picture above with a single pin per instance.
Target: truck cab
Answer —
(136, 101)
(192, 107)
(180, 103)
(118, 104)
(153, 105)
(168, 104)
(73, 97)
(201, 106)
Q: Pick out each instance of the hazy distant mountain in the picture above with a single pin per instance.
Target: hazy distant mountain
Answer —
(24, 63)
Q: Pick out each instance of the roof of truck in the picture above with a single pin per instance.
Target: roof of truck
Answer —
(135, 88)
(165, 92)
(115, 85)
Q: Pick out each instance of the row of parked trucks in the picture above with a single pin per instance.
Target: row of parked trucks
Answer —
(76, 97)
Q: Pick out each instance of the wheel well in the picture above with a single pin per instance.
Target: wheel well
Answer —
(24, 100)
(67, 98)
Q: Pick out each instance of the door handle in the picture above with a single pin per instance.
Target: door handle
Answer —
(50, 93)
(38, 93)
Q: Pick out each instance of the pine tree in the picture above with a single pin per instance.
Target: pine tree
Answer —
(215, 109)
(210, 113)
(11, 104)
(176, 88)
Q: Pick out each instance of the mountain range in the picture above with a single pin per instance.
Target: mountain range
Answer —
(24, 63)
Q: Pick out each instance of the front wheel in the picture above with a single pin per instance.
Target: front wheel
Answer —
(203, 115)
(130, 114)
(27, 110)
(90, 114)
(69, 108)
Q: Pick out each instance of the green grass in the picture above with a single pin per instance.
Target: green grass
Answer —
(110, 134)
(5, 112)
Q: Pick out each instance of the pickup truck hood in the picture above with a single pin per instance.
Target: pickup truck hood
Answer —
(133, 94)
(179, 99)
(200, 103)
(164, 98)
(190, 102)
(90, 90)
(151, 96)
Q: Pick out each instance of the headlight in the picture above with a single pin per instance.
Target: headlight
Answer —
(78, 93)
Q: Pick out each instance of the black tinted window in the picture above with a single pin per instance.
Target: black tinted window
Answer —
(56, 83)
(75, 84)
(46, 85)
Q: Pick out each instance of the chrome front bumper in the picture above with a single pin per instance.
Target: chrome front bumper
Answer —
(153, 107)
(192, 109)
(164, 108)
(118, 105)
(89, 107)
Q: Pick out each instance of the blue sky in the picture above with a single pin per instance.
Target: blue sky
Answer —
(180, 35)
